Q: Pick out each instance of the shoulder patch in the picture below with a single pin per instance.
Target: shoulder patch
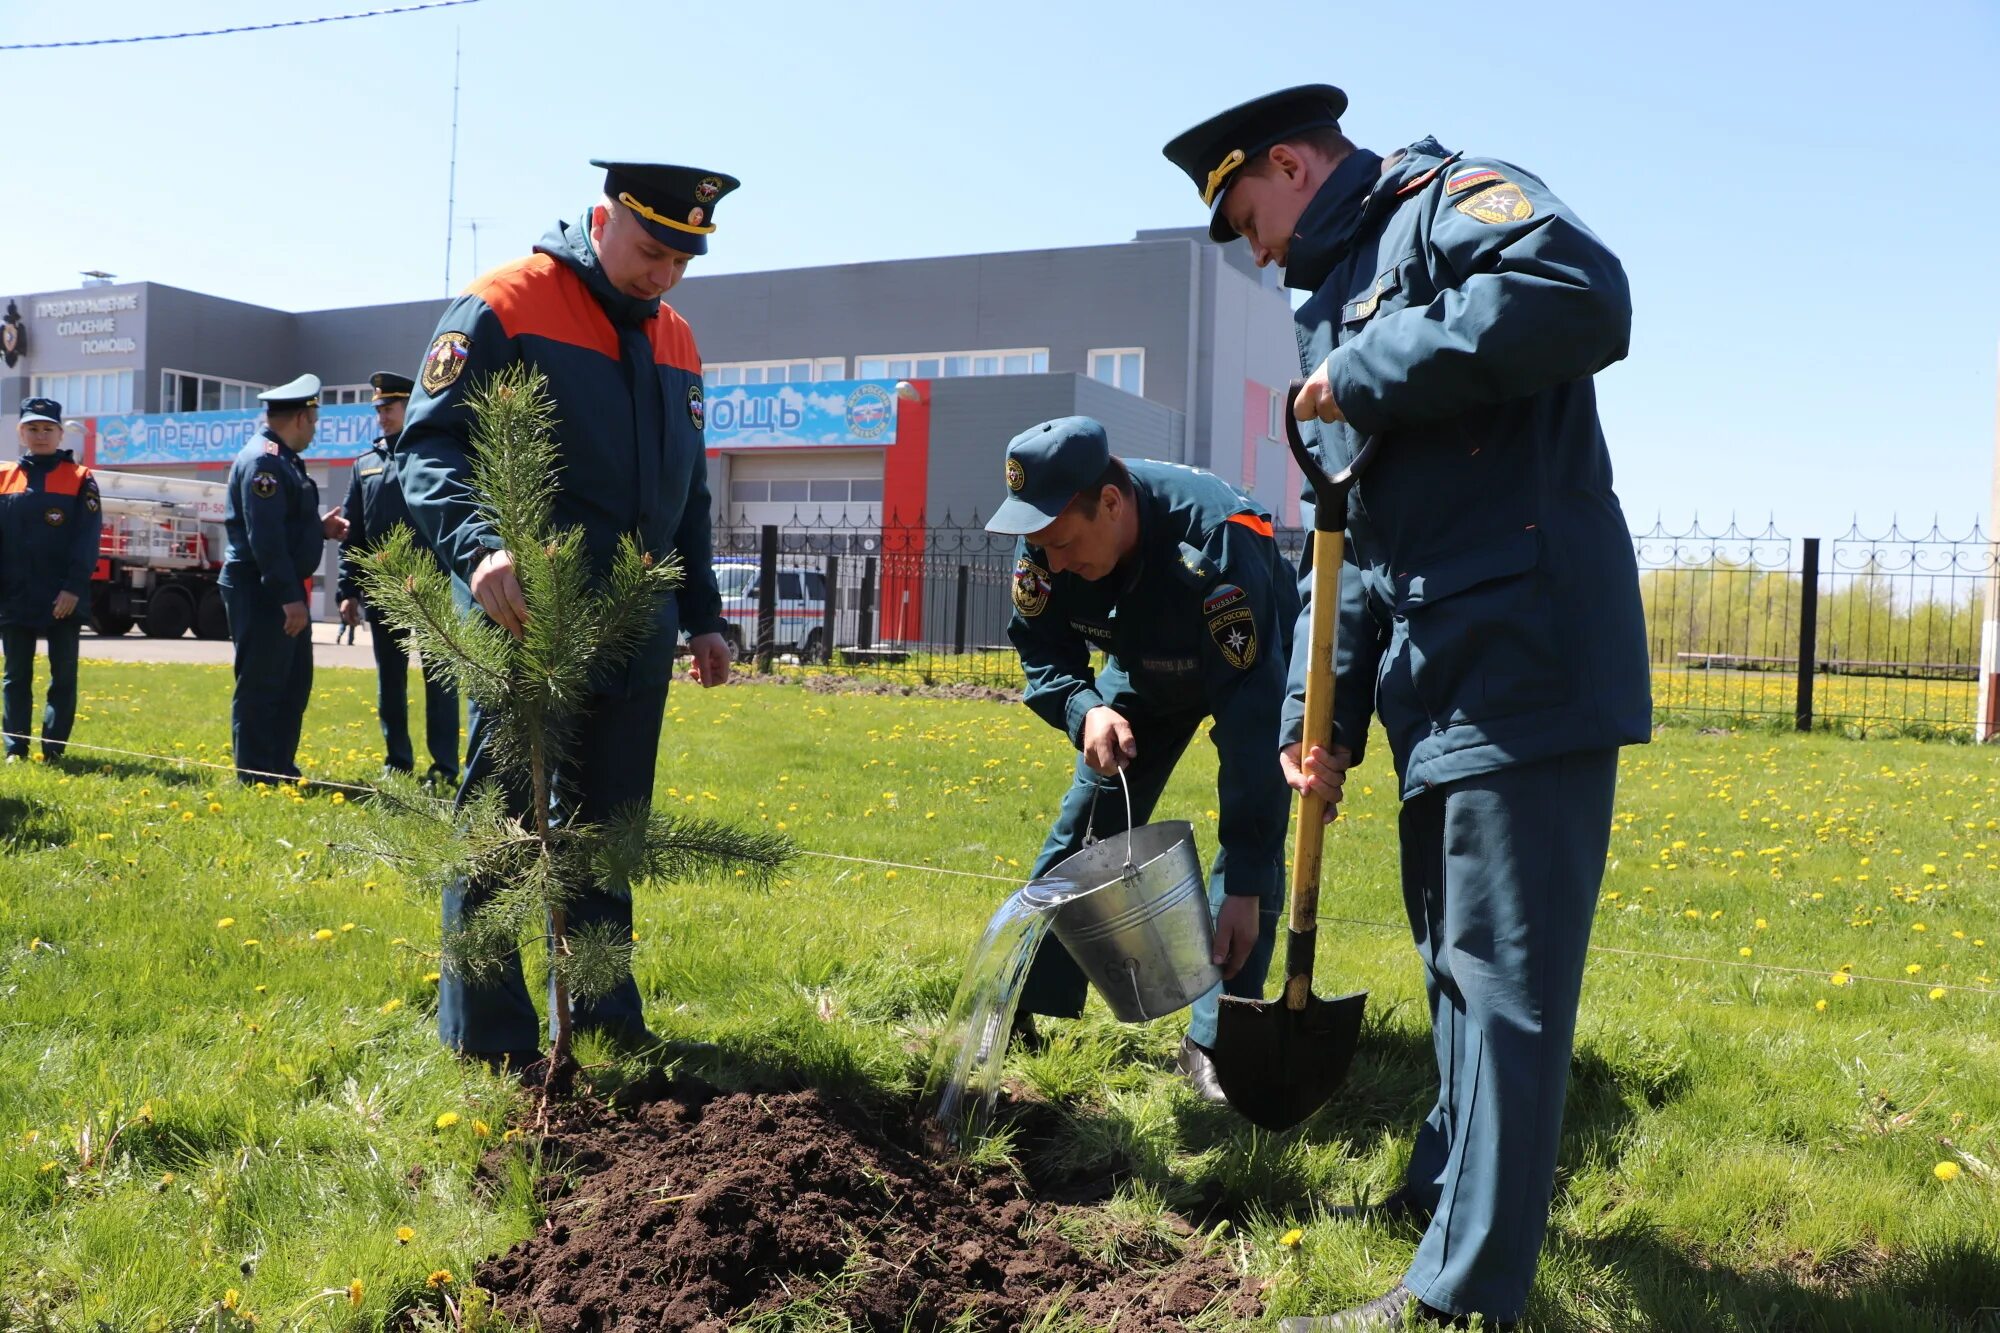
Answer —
(90, 496)
(264, 485)
(271, 448)
(697, 409)
(1031, 587)
(1234, 631)
(1225, 595)
(1471, 178)
(1497, 203)
(445, 360)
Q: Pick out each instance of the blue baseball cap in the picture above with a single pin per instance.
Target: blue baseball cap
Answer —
(1047, 467)
(41, 409)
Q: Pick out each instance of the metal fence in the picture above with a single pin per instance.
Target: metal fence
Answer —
(1860, 633)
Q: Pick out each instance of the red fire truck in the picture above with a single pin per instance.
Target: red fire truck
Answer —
(159, 557)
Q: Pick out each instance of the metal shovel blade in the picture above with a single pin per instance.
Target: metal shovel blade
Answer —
(1278, 1065)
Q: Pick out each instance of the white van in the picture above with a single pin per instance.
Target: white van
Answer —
(801, 610)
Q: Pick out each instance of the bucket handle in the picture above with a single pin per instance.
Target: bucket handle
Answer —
(1090, 838)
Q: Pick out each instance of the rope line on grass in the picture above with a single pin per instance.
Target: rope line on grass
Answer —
(1655, 955)
(204, 763)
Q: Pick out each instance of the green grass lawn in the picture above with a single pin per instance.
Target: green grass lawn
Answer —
(218, 1072)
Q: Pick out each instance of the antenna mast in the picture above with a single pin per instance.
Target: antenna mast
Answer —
(451, 180)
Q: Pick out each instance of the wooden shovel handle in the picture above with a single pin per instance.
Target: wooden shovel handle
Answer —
(1328, 553)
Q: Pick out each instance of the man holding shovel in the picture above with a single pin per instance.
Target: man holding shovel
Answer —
(1175, 576)
(1489, 616)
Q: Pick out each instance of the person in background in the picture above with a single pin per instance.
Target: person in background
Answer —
(50, 520)
(374, 506)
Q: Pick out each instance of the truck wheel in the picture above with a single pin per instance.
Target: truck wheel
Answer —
(110, 612)
(169, 613)
(211, 617)
(814, 648)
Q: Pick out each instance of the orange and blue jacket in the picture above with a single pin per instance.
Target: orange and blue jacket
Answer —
(626, 382)
(49, 524)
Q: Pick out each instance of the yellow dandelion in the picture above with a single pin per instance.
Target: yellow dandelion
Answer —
(1919, 927)
(404, 1235)
(510, 1136)
(230, 1297)
(252, 943)
(186, 815)
(1937, 992)
(1743, 952)
(1820, 1005)
(432, 977)
(1914, 968)
(322, 934)
(1946, 1171)
(1762, 924)
(391, 1006)
(439, 1278)
(346, 926)
(215, 807)
(447, 1120)
(104, 837)
(224, 923)
(262, 989)
(481, 1129)
(1291, 1238)
(1838, 978)
(340, 798)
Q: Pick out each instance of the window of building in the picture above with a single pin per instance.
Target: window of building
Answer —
(183, 392)
(814, 490)
(726, 374)
(85, 393)
(346, 393)
(1120, 367)
(950, 365)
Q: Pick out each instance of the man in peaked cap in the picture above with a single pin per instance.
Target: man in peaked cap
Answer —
(276, 534)
(1176, 577)
(49, 526)
(585, 309)
(1457, 309)
(374, 506)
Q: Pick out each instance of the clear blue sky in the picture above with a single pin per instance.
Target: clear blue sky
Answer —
(1806, 195)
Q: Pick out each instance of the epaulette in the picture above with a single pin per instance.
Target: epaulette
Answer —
(1412, 186)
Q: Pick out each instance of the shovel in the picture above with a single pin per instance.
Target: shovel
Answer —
(1279, 1060)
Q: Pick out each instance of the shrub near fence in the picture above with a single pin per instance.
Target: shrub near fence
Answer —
(1859, 633)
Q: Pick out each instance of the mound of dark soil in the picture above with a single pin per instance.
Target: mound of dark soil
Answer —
(701, 1210)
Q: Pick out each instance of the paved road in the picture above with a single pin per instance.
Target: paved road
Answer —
(136, 647)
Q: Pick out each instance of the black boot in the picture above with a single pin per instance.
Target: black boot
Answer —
(1382, 1314)
(1196, 1068)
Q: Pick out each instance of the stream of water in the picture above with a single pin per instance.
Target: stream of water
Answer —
(965, 1072)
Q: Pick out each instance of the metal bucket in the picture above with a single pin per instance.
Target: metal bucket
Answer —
(1133, 913)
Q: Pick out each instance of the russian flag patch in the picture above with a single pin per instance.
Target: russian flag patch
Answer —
(1471, 179)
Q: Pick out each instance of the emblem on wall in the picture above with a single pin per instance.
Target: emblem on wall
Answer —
(13, 336)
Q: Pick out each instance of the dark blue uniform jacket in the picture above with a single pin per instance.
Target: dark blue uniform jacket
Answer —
(271, 515)
(1198, 620)
(626, 380)
(373, 508)
(49, 525)
(1491, 610)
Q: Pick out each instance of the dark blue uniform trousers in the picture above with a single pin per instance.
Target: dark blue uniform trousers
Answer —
(392, 706)
(616, 747)
(1500, 880)
(1056, 986)
(17, 712)
(274, 677)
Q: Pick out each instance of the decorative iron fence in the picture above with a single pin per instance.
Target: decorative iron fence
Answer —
(1860, 633)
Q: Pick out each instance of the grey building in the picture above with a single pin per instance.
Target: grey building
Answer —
(1180, 346)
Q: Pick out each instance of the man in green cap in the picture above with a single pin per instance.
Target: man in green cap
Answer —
(1456, 311)
(1175, 576)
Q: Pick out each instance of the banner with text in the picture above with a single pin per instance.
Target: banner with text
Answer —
(791, 416)
(151, 439)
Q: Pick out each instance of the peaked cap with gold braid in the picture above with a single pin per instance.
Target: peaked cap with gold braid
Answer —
(676, 205)
(1212, 152)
